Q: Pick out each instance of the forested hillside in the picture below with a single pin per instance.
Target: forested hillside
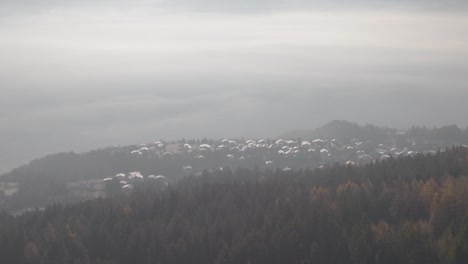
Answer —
(72, 177)
(411, 209)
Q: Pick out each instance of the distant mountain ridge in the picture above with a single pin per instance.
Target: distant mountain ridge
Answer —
(344, 130)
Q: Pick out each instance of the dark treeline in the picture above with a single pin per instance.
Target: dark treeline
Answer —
(405, 210)
(451, 134)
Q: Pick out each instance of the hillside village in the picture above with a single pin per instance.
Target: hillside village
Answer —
(69, 177)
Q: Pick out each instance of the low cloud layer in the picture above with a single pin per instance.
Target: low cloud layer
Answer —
(81, 76)
(240, 6)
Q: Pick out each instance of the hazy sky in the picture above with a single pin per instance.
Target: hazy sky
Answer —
(90, 74)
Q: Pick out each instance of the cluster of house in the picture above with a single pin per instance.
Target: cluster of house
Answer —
(281, 153)
(128, 180)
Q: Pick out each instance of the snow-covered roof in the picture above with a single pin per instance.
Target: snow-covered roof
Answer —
(135, 175)
(127, 186)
